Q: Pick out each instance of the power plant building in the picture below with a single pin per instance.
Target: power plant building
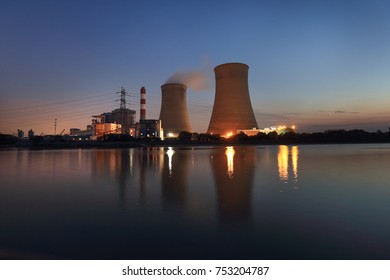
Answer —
(149, 129)
(119, 121)
(174, 114)
(232, 109)
(125, 117)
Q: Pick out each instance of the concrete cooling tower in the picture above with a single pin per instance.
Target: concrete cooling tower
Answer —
(174, 115)
(232, 109)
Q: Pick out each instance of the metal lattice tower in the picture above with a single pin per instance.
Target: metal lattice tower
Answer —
(123, 98)
(123, 115)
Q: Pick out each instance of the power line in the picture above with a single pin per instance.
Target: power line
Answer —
(58, 102)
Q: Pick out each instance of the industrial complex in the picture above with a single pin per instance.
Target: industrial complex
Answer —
(232, 112)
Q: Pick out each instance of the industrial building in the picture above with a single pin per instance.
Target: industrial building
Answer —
(20, 134)
(122, 118)
(232, 110)
(174, 114)
(118, 121)
(78, 134)
(149, 129)
(74, 131)
(31, 134)
(125, 117)
(280, 130)
(102, 129)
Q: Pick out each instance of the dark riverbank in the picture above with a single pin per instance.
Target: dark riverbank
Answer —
(194, 139)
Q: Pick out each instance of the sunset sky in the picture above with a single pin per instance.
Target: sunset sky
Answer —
(316, 64)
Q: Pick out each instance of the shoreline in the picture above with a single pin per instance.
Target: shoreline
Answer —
(172, 143)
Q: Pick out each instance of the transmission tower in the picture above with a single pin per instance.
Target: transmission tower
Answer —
(123, 98)
(123, 112)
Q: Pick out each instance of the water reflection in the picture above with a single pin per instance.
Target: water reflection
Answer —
(170, 154)
(162, 173)
(116, 164)
(230, 163)
(283, 163)
(233, 171)
(294, 161)
(148, 162)
(174, 179)
(234, 192)
(284, 156)
(196, 203)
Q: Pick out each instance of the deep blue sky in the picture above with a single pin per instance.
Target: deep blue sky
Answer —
(316, 64)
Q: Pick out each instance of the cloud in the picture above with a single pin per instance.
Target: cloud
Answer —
(338, 112)
(292, 113)
(345, 112)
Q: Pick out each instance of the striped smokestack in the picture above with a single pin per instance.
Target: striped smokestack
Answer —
(142, 115)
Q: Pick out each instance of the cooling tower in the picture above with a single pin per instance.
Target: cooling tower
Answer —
(232, 109)
(174, 115)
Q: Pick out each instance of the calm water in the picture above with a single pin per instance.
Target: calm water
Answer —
(253, 202)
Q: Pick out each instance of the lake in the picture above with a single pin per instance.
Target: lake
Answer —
(242, 202)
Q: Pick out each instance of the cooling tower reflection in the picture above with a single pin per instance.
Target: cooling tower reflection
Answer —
(234, 192)
(283, 163)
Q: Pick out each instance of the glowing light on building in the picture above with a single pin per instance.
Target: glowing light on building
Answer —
(172, 135)
(230, 161)
(280, 129)
(229, 134)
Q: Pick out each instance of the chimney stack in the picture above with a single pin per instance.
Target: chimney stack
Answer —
(142, 115)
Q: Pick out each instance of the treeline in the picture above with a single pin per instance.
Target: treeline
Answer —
(291, 137)
(6, 139)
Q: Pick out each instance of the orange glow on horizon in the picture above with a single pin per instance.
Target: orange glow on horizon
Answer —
(229, 134)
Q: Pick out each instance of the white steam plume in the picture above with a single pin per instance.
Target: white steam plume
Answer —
(196, 80)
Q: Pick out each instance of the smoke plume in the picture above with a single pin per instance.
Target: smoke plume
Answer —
(196, 80)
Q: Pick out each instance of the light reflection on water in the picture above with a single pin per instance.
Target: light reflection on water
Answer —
(230, 161)
(287, 155)
(170, 154)
(283, 163)
(215, 202)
